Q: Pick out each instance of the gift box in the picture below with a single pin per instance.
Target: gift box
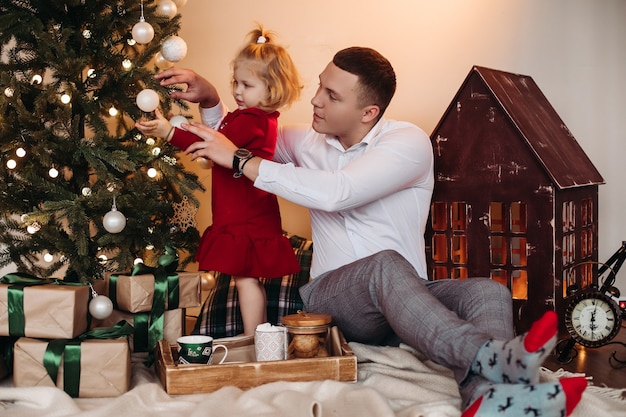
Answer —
(172, 327)
(52, 311)
(135, 293)
(104, 368)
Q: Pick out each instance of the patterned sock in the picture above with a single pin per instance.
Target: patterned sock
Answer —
(548, 399)
(518, 360)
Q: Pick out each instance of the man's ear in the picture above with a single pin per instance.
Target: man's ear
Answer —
(370, 113)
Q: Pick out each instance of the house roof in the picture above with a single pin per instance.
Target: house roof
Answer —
(541, 127)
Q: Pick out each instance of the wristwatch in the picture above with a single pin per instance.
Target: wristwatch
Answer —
(241, 155)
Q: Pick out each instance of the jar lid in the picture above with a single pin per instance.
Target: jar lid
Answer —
(304, 319)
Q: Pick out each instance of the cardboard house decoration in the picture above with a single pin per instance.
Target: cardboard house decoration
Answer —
(515, 197)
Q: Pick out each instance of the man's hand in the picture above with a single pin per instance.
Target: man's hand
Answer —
(199, 90)
(215, 145)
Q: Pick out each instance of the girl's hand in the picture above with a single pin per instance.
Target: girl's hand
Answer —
(215, 145)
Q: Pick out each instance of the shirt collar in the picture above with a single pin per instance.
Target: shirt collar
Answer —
(374, 131)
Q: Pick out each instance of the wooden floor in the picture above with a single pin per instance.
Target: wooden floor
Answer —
(596, 362)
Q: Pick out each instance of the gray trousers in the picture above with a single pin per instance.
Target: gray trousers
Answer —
(381, 298)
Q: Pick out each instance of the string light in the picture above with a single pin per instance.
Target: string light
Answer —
(152, 172)
(66, 98)
(20, 152)
(11, 164)
(37, 79)
(138, 261)
(53, 172)
(127, 64)
(8, 92)
(48, 257)
(113, 111)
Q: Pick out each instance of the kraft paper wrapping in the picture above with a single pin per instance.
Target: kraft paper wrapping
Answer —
(173, 324)
(50, 311)
(104, 366)
(134, 293)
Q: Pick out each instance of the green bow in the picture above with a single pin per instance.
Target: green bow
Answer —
(69, 351)
(149, 326)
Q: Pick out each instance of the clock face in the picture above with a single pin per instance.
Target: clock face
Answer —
(592, 319)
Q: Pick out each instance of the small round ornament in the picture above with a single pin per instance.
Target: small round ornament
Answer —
(147, 100)
(166, 8)
(204, 163)
(178, 120)
(100, 307)
(161, 62)
(174, 48)
(143, 32)
(114, 221)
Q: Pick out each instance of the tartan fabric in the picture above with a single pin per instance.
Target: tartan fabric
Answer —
(220, 315)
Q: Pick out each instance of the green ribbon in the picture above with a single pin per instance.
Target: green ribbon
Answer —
(149, 326)
(69, 351)
(17, 281)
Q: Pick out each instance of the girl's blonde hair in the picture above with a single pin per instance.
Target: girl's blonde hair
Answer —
(272, 64)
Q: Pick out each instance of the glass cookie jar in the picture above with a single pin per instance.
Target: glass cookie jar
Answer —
(307, 333)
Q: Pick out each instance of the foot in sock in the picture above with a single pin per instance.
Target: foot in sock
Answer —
(518, 360)
(547, 399)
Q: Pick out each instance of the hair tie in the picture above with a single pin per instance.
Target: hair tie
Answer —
(261, 39)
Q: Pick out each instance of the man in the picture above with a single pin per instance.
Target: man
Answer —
(368, 182)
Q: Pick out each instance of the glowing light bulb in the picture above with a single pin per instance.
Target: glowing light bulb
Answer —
(37, 79)
(65, 98)
(11, 164)
(138, 261)
(156, 151)
(8, 92)
(86, 191)
(113, 111)
(53, 172)
(91, 73)
(103, 259)
(152, 172)
(48, 258)
(20, 152)
(127, 64)
(150, 141)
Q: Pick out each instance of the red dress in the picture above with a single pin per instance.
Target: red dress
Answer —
(246, 237)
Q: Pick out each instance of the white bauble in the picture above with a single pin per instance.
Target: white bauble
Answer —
(178, 120)
(147, 100)
(100, 307)
(180, 3)
(166, 8)
(174, 48)
(143, 32)
(161, 62)
(114, 221)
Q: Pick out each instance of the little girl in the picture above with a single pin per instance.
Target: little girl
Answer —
(245, 239)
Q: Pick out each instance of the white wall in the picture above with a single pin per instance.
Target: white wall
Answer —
(573, 49)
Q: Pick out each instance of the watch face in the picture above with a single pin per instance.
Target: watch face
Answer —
(592, 318)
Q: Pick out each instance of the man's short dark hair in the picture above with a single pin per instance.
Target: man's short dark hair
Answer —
(376, 75)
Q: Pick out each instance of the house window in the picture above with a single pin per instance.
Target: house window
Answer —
(508, 246)
(449, 242)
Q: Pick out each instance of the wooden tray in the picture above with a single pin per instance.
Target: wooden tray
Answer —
(241, 371)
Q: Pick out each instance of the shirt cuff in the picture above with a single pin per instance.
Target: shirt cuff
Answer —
(213, 115)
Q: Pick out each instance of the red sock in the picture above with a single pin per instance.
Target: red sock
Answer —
(573, 388)
(541, 331)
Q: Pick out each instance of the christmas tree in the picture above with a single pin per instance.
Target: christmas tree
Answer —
(82, 191)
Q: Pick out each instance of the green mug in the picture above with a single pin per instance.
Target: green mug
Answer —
(198, 349)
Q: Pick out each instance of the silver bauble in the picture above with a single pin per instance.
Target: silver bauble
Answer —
(100, 307)
(143, 32)
(114, 221)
